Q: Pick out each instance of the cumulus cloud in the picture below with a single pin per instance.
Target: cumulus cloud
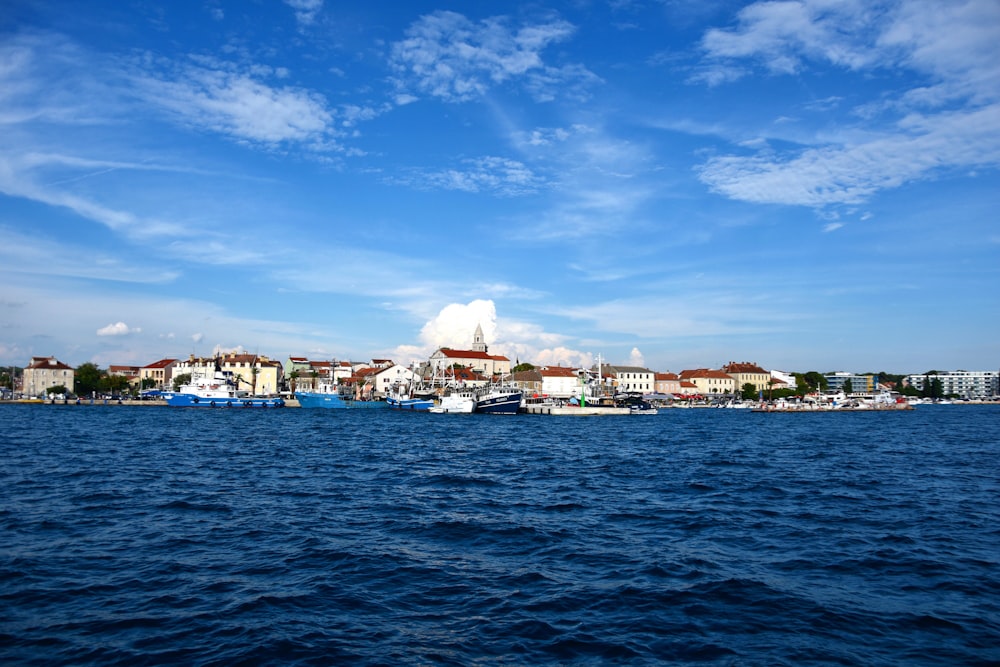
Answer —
(635, 358)
(117, 329)
(445, 55)
(455, 325)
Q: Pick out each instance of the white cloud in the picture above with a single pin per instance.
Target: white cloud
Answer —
(239, 104)
(305, 10)
(563, 356)
(446, 55)
(782, 34)
(952, 48)
(635, 358)
(500, 176)
(455, 325)
(117, 329)
(851, 173)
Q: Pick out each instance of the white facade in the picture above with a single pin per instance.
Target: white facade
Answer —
(561, 385)
(387, 378)
(633, 379)
(965, 384)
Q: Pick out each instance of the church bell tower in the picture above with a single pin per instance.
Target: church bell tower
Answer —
(478, 342)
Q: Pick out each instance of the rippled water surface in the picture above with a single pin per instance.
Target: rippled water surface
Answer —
(150, 535)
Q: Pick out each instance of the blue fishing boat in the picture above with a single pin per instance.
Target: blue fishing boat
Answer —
(217, 391)
(404, 397)
(333, 399)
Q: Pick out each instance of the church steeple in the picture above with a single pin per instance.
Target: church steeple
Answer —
(478, 342)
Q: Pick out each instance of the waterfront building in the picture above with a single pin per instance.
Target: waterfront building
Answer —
(787, 380)
(667, 383)
(159, 372)
(745, 372)
(631, 379)
(710, 381)
(45, 372)
(859, 383)
(130, 373)
(964, 384)
(383, 381)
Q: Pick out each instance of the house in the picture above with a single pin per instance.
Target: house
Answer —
(560, 381)
(632, 379)
(745, 373)
(46, 372)
(709, 381)
(130, 373)
(530, 382)
(667, 383)
(157, 374)
(688, 388)
(383, 381)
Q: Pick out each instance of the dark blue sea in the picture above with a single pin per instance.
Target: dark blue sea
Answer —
(151, 535)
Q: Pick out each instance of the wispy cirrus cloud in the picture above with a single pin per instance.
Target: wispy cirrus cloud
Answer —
(850, 174)
(489, 174)
(448, 56)
(947, 112)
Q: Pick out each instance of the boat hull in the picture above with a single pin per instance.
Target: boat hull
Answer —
(310, 399)
(455, 405)
(180, 400)
(505, 403)
(409, 404)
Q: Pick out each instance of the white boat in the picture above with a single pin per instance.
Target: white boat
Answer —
(456, 402)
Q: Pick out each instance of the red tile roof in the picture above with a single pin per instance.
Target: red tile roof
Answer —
(743, 367)
(470, 354)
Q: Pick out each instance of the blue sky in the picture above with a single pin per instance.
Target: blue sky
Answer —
(808, 184)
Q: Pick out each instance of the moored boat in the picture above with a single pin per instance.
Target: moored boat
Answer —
(403, 397)
(217, 391)
(456, 402)
(499, 401)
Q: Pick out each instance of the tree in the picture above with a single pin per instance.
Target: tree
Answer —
(937, 389)
(523, 367)
(183, 378)
(749, 391)
(848, 386)
(58, 389)
(811, 381)
(115, 384)
(7, 377)
(87, 379)
(292, 379)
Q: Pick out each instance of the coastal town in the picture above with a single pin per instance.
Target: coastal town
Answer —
(475, 370)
